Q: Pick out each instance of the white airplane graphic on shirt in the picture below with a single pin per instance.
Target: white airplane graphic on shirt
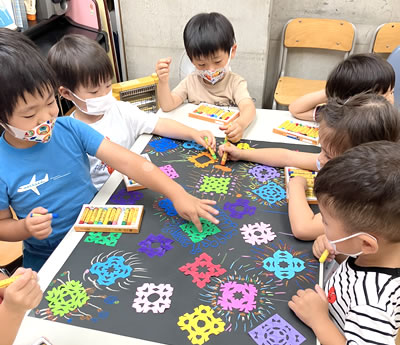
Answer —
(33, 185)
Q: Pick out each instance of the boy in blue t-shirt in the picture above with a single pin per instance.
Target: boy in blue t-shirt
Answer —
(43, 159)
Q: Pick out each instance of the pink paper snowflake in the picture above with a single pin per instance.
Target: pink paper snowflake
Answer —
(142, 304)
(238, 296)
(202, 278)
(257, 233)
(169, 171)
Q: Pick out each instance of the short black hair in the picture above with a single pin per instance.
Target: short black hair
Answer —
(206, 33)
(80, 61)
(360, 73)
(361, 188)
(22, 70)
(362, 118)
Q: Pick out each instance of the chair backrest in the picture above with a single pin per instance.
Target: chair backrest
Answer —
(386, 38)
(394, 60)
(185, 66)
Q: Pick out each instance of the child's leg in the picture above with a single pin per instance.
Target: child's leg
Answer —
(33, 260)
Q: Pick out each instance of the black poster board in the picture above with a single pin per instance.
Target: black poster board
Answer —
(257, 263)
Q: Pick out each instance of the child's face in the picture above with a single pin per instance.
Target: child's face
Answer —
(88, 92)
(217, 60)
(325, 154)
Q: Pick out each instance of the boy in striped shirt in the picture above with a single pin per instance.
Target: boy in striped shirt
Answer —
(358, 194)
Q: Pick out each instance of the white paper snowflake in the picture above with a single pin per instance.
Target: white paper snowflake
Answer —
(257, 233)
(142, 304)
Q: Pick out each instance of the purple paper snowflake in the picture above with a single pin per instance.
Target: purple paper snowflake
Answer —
(233, 208)
(257, 233)
(263, 173)
(237, 296)
(123, 197)
(146, 245)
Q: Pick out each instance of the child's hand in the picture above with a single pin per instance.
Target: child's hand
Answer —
(234, 131)
(310, 306)
(24, 293)
(298, 181)
(162, 69)
(198, 137)
(234, 153)
(319, 246)
(191, 208)
(39, 227)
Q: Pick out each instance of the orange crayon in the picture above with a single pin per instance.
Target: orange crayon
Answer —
(85, 212)
(132, 216)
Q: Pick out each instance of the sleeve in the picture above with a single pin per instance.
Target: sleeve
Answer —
(181, 89)
(366, 322)
(89, 137)
(239, 89)
(4, 201)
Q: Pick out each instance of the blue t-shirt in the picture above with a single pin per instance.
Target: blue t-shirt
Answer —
(60, 169)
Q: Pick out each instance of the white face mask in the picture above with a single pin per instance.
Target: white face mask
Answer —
(214, 77)
(40, 134)
(96, 105)
(333, 243)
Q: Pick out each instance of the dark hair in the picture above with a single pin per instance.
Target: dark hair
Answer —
(360, 119)
(79, 60)
(206, 33)
(362, 187)
(22, 70)
(360, 73)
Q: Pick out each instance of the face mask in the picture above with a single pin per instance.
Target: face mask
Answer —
(214, 77)
(333, 243)
(39, 134)
(97, 105)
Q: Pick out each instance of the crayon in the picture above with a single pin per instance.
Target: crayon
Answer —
(322, 259)
(89, 214)
(214, 156)
(94, 214)
(112, 215)
(132, 216)
(55, 215)
(85, 212)
(117, 214)
(126, 215)
(225, 155)
(107, 217)
(102, 216)
(98, 215)
(6, 282)
(323, 256)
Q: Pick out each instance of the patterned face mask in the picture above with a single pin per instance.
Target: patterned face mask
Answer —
(97, 105)
(333, 243)
(39, 134)
(215, 76)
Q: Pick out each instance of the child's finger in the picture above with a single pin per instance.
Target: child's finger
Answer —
(22, 281)
(320, 292)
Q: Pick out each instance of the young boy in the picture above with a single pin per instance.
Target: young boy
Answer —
(210, 44)
(358, 194)
(44, 166)
(15, 300)
(84, 73)
(358, 73)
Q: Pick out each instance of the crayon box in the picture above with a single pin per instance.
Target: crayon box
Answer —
(308, 175)
(215, 114)
(132, 185)
(298, 131)
(110, 218)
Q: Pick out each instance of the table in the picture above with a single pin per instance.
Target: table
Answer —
(61, 334)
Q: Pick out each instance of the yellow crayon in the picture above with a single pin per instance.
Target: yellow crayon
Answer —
(88, 216)
(102, 216)
(117, 214)
(126, 215)
(112, 215)
(98, 215)
(324, 256)
(212, 153)
(6, 282)
(283, 125)
(132, 216)
(85, 212)
(225, 155)
(107, 217)
(94, 214)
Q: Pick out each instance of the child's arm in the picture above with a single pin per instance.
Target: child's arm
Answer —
(168, 101)
(272, 156)
(174, 129)
(150, 176)
(19, 297)
(305, 224)
(303, 107)
(311, 307)
(235, 129)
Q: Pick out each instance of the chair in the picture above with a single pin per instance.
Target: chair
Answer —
(394, 60)
(313, 33)
(386, 38)
(185, 66)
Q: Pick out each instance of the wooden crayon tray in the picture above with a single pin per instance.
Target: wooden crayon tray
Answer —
(308, 175)
(215, 114)
(110, 218)
(298, 131)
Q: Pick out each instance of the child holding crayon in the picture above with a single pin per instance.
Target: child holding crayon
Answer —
(360, 119)
(209, 41)
(84, 72)
(15, 300)
(43, 159)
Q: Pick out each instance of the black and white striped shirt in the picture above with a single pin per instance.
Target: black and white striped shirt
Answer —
(365, 303)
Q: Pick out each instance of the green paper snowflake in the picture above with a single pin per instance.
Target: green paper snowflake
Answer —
(196, 236)
(215, 184)
(110, 239)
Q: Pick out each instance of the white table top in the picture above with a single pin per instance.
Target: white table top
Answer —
(62, 334)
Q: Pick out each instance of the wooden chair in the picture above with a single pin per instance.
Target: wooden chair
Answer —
(313, 33)
(386, 38)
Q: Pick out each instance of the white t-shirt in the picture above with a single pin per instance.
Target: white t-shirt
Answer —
(122, 124)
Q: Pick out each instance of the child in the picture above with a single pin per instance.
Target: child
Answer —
(44, 166)
(356, 74)
(360, 119)
(210, 44)
(15, 300)
(84, 72)
(358, 195)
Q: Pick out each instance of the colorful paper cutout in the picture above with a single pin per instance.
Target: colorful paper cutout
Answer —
(193, 145)
(163, 144)
(272, 193)
(169, 171)
(196, 162)
(234, 208)
(108, 239)
(146, 245)
(123, 197)
(276, 330)
(142, 304)
(264, 173)
(283, 264)
(108, 272)
(168, 207)
(202, 278)
(257, 233)
(238, 296)
(208, 229)
(244, 146)
(215, 184)
(201, 324)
